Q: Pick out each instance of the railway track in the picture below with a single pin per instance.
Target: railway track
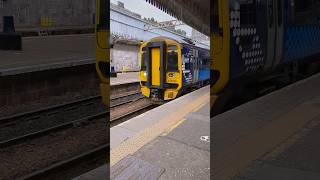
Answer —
(130, 114)
(121, 100)
(26, 126)
(46, 131)
(57, 168)
(69, 166)
(77, 163)
(48, 111)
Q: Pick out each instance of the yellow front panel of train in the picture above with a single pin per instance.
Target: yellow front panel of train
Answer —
(155, 63)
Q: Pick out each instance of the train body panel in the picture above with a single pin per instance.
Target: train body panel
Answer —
(267, 34)
(256, 39)
(168, 67)
(195, 64)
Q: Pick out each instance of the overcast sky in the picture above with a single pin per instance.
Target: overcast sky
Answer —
(147, 10)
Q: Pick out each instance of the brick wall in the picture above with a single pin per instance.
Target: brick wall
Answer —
(125, 57)
(27, 13)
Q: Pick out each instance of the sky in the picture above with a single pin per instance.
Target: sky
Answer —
(147, 10)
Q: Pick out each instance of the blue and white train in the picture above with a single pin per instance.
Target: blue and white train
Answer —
(169, 68)
(257, 40)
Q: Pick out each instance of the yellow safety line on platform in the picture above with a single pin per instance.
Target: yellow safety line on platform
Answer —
(135, 143)
(240, 155)
(173, 127)
(196, 109)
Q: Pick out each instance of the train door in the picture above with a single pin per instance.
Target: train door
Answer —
(279, 32)
(271, 42)
(220, 46)
(195, 66)
(155, 64)
(275, 32)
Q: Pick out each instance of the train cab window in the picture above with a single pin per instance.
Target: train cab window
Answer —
(215, 19)
(104, 15)
(248, 13)
(172, 58)
(144, 61)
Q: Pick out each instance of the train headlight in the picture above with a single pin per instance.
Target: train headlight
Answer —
(145, 74)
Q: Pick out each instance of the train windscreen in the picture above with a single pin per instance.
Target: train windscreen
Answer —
(104, 15)
(144, 59)
(172, 59)
(215, 18)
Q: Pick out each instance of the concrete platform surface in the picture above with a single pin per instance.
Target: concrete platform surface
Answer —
(274, 137)
(176, 143)
(125, 78)
(296, 158)
(48, 52)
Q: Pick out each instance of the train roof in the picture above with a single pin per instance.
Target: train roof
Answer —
(185, 41)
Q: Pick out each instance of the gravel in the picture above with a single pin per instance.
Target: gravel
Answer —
(22, 159)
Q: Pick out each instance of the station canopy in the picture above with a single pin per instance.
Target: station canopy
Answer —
(195, 13)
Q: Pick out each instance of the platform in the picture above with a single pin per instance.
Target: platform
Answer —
(48, 52)
(168, 142)
(125, 78)
(171, 141)
(274, 137)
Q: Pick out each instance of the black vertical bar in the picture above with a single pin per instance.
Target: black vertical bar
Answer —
(162, 65)
(149, 71)
(104, 15)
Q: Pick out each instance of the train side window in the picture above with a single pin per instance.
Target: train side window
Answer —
(303, 12)
(317, 10)
(280, 13)
(303, 5)
(186, 62)
(172, 58)
(205, 63)
(187, 65)
(144, 61)
(248, 13)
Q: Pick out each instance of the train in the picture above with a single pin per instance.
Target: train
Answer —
(170, 68)
(258, 41)
(102, 32)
